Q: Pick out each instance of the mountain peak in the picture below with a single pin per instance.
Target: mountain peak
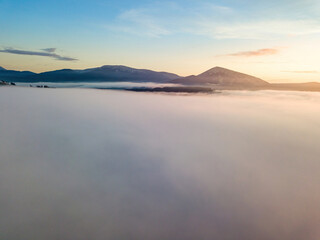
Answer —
(216, 70)
(225, 77)
(114, 67)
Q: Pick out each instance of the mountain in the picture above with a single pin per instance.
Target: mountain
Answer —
(217, 78)
(108, 73)
(222, 77)
(15, 76)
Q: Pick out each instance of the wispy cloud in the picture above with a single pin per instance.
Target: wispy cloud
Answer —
(308, 72)
(48, 52)
(214, 21)
(263, 29)
(254, 53)
(165, 18)
(145, 22)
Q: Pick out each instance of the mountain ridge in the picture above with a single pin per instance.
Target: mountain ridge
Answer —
(222, 76)
(217, 78)
(106, 73)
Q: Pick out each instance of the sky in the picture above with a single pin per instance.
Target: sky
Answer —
(273, 40)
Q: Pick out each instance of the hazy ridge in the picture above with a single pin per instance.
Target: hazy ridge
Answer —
(217, 78)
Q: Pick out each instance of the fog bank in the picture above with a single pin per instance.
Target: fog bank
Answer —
(78, 164)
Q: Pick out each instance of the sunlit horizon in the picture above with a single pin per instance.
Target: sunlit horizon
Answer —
(274, 40)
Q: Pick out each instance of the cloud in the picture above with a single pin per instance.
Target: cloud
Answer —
(224, 166)
(48, 52)
(263, 29)
(139, 22)
(210, 20)
(255, 53)
(165, 18)
(311, 72)
(140, 17)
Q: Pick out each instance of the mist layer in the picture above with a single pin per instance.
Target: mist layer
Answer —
(92, 164)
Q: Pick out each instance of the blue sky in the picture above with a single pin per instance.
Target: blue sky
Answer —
(274, 40)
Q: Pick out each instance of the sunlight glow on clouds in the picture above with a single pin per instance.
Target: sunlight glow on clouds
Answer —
(254, 53)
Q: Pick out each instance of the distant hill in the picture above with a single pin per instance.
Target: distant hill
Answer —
(108, 73)
(223, 77)
(216, 78)
(15, 76)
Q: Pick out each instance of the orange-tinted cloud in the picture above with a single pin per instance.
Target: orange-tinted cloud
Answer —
(301, 71)
(259, 52)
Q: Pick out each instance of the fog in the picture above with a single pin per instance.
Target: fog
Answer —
(96, 85)
(79, 164)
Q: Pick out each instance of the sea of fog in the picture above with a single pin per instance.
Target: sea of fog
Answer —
(96, 85)
(79, 164)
